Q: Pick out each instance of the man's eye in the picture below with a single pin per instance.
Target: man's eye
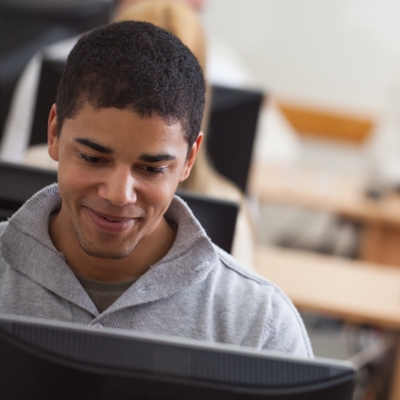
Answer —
(154, 170)
(89, 159)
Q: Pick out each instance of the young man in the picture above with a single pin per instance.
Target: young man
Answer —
(110, 245)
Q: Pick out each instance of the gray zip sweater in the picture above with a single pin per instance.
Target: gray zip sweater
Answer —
(197, 290)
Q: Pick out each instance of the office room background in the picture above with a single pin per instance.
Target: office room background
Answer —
(336, 56)
(341, 54)
(339, 58)
(335, 61)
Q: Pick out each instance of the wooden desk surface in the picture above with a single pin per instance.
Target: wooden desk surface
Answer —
(356, 291)
(323, 190)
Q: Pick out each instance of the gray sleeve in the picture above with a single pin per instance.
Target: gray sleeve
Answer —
(285, 331)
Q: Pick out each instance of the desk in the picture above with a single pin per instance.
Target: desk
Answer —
(355, 291)
(338, 194)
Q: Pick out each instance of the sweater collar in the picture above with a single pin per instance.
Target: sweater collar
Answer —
(27, 247)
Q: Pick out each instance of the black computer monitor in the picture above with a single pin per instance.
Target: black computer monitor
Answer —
(217, 217)
(18, 183)
(41, 359)
(50, 75)
(232, 130)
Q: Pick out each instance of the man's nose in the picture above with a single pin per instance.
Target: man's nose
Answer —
(119, 187)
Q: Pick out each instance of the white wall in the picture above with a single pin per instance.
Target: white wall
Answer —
(341, 54)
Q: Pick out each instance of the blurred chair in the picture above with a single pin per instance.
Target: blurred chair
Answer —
(18, 183)
(26, 27)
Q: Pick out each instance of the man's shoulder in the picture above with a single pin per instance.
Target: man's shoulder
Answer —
(244, 279)
(236, 280)
(259, 298)
(233, 266)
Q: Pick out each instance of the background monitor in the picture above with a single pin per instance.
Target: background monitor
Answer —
(231, 131)
(48, 360)
(50, 75)
(18, 183)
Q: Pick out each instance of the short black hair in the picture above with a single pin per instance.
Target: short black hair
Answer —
(138, 66)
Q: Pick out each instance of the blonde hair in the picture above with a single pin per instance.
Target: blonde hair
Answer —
(174, 16)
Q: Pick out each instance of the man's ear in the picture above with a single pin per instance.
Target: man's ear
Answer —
(192, 156)
(52, 134)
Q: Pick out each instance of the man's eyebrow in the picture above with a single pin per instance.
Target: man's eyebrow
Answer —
(93, 145)
(156, 157)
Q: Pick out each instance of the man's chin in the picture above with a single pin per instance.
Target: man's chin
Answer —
(103, 253)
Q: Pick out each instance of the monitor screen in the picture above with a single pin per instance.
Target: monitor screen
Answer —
(41, 359)
(231, 131)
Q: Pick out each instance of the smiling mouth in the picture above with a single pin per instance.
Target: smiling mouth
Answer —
(110, 223)
(111, 218)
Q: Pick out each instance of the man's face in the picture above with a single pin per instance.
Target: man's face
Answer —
(117, 175)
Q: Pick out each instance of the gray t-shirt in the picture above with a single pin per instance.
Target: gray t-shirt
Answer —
(103, 294)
